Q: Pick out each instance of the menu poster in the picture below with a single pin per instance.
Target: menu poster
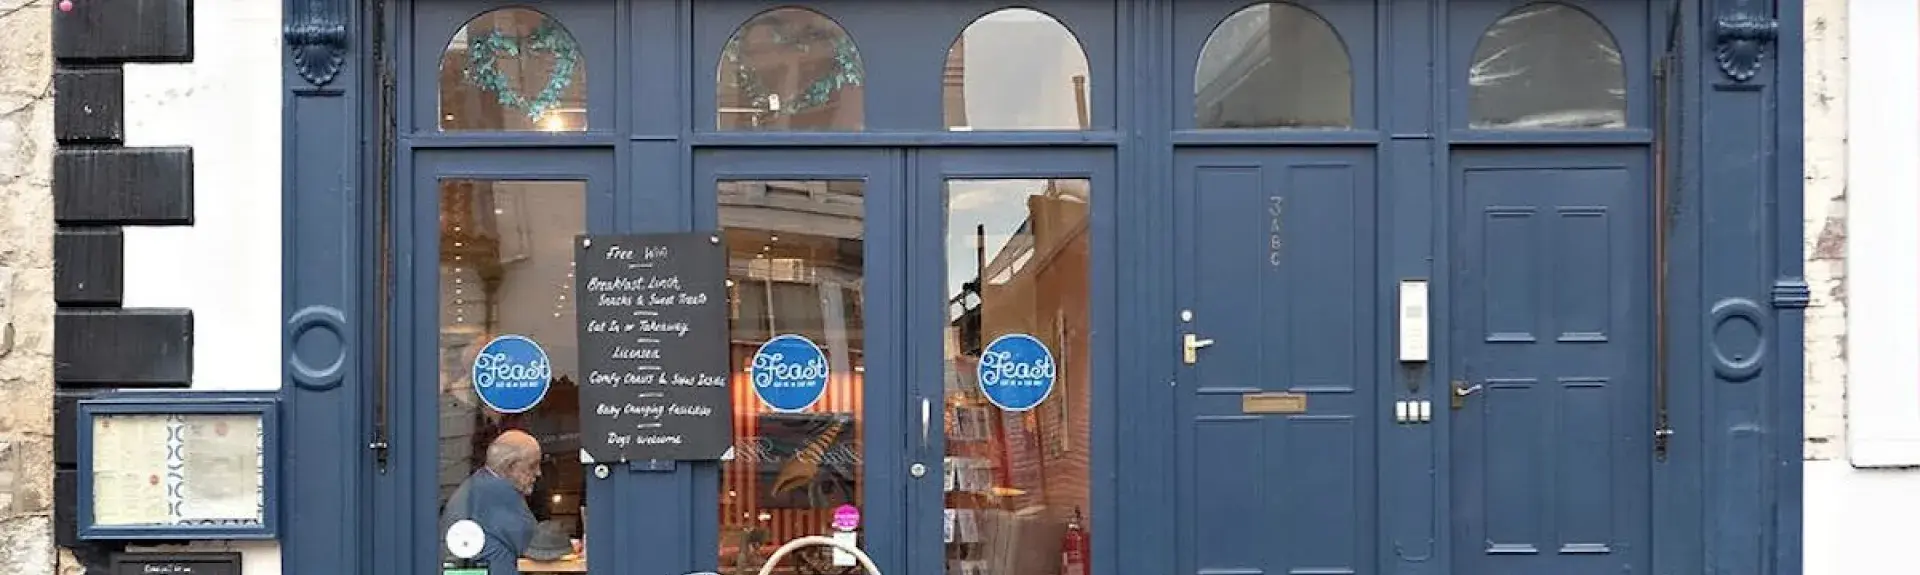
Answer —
(653, 347)
(130, 469)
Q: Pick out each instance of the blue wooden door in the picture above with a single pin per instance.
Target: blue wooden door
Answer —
(1550, 435)
(1548, 244)
(1277, 260)
(1277, 280)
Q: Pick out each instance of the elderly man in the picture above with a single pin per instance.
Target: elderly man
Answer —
(495, 497)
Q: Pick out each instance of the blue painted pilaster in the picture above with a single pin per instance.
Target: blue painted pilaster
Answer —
(1790, 292)
(1148, 309)
(1746, 244)
(1413, 170)
(326, 461)
(656, 517)
(1677, 490)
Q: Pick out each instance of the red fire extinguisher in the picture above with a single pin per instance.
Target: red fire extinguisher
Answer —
(1073, 547)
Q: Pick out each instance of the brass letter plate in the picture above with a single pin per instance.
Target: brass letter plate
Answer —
(1273, 402)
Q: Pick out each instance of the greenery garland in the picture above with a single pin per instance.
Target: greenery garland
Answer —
(485, 51)
(847, 71)
(483, 70)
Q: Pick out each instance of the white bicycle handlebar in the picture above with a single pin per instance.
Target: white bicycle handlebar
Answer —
(812, 540)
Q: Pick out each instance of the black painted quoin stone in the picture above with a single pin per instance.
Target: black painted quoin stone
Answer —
(99, 186)
(653, 347)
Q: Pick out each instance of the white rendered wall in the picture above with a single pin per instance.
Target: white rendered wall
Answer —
(1883, 181)
(1862, 491)
(226, 267)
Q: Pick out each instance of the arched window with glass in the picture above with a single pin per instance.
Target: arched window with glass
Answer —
(1016, 69)
(1547, 65)
(790, 69)
(513, 69)
(1273, 65)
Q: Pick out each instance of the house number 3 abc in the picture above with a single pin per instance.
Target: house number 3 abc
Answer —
(1275, 206)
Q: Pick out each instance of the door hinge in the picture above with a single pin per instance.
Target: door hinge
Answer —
(1661, 436)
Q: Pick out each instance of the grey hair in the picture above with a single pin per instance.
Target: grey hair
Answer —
(505, 455)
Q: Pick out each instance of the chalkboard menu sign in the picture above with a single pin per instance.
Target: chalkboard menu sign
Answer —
(190, 563)
(653, 347)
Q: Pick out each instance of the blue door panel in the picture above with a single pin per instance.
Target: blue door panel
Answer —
(1276, 256)
(1550, 454)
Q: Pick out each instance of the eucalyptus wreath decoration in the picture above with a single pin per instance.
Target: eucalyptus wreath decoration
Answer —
(847, 68)
(485, 51)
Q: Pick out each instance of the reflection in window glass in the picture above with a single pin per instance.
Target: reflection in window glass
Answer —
(1273, 65)
(1016, 69)
(1016, 481)
(794, 268)
(791, 69)
(513, 69)
(1547, 65)
(506, 269)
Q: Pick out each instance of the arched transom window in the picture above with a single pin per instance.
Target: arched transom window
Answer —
(1273, 65)
(791, 69)
(513, 69)
(1547, 66)
(1016, 69)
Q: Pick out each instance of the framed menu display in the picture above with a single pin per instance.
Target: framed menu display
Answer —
(177, 465)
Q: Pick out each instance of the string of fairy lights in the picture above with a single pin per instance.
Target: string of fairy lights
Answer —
(465, 296)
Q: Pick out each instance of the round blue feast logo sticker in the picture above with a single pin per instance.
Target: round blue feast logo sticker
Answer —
(789, 373)
(511, 374)
(1016, 372)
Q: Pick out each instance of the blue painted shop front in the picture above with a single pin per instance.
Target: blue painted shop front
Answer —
(1335, 286)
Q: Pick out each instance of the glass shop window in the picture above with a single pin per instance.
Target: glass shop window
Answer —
(796, 273)
(513, 69)
(506, 321)
(1018, 462)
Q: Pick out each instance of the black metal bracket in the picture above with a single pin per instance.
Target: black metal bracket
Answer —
(1741, 34)
(316, 38)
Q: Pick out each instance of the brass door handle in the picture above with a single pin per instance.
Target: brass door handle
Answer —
(1460, 392)
(1192, 348)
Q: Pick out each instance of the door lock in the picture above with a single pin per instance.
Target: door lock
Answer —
(1460, 392)
(1193, 345)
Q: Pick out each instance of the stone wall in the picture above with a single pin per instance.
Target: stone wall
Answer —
(26, 293)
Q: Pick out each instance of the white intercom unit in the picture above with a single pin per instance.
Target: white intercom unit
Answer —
(1413, 320)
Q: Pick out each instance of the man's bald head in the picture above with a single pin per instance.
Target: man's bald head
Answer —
(515, 455)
